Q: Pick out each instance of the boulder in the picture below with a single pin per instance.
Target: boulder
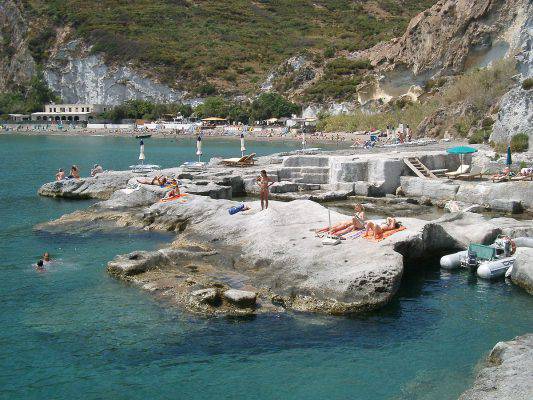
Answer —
(241, 298)
(284, 187)
(206, 296)
(507, 374)
(507, 205)
(434, 188)
(101, 186)
(522, 273)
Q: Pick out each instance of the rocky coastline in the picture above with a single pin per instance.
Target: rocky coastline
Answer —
(272, 257)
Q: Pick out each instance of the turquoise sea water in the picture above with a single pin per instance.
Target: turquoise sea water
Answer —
(74, 332)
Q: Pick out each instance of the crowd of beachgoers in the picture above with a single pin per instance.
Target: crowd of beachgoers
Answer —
(365, 139)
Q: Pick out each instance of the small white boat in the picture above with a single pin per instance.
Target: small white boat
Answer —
(489, 262)
(495, 269)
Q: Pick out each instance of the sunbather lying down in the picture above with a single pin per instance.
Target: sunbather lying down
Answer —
(156, 180)
(378, 229)
(357, 222)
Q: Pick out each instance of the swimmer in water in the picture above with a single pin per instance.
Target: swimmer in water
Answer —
(46, 257)
(40, 266)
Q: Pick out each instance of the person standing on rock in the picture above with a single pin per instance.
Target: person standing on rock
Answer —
(264, 183)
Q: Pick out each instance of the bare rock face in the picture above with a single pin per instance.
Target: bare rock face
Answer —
(515, 116)
(16, 62)
(507, 374)
(84, 77)
(449, 35)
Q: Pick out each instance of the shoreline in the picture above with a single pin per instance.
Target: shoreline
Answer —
(342, 139)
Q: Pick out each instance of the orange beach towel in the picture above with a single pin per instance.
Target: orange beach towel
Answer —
(385, 234)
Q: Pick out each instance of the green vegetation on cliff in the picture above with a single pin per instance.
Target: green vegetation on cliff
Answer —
(220, 46)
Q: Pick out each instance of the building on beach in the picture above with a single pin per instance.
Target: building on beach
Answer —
(19, 117)
(69, 112)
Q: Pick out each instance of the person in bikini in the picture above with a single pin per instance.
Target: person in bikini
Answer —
(357, 222)
(264, 183)
(60, 175)
(378, 229)
(156, 181)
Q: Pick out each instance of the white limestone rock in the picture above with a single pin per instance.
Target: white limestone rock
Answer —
(522, 273)
(507, 374)
(240, 298)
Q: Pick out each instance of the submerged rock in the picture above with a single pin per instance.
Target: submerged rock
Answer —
(507, 374)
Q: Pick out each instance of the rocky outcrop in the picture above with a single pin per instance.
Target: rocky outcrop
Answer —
(82, 77)
(16, 62)
(275, 256)
(511, 197)
(101, 186)
(453, 35)
(522, 272)
(507, 374)
(515, 116)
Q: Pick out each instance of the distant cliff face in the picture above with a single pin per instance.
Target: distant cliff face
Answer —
(79, 76)
(454, 35)
(16, 62)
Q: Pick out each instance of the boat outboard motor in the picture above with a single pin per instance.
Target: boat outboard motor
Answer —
(471, 260)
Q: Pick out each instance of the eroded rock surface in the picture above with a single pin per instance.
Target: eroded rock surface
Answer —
(508, 374)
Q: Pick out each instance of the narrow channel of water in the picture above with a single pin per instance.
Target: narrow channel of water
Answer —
(74, 332)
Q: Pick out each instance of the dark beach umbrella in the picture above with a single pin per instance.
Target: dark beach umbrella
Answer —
(461, 150)
(509, 159)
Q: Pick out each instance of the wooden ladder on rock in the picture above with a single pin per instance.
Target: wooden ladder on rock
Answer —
(418, 168)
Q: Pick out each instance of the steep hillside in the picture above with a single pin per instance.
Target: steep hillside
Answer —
(203, 46)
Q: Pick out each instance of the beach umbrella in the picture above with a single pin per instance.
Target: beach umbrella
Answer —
(243, 148)
(141, 153)
(509, 159)
(199, 147)
(461, 150)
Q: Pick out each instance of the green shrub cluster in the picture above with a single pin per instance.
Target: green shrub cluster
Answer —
(520, 142)
(266, 106)
(479, 137)
(30, 100)
(527, 83)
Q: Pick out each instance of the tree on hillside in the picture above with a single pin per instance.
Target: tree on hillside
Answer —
(272, 105)
(213, 107)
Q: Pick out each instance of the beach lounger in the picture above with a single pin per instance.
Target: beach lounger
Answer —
(519, 178)
(463, 169)
(476, 171)
(240, 162)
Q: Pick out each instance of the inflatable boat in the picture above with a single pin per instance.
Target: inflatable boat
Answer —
(489, 262)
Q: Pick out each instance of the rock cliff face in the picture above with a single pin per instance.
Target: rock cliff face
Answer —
(79, 76)
(454, 35)
(16, 63)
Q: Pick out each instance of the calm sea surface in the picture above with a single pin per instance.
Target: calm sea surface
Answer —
(74, 332)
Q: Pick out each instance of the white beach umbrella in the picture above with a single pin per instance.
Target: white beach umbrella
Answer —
(199, 147)
(243, 148)
(141, 154)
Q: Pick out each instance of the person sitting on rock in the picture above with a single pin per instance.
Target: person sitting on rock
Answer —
(378, 229)
(60, 175)
(97, 169)
(74, 172)
(357, 222)
(174, 192)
